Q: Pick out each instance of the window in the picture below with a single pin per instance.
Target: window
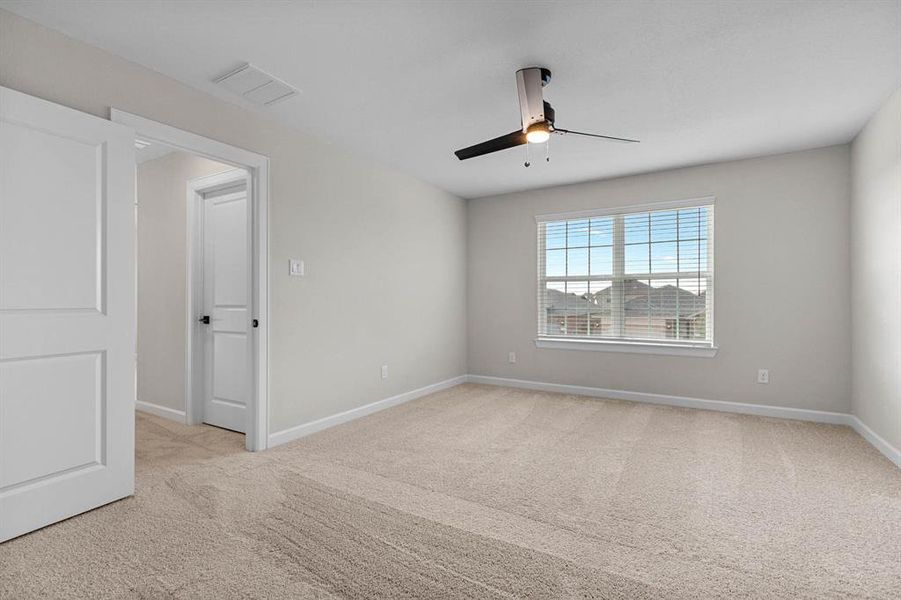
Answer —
(641, 277)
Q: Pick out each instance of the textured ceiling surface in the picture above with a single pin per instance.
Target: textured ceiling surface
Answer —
(409, 82)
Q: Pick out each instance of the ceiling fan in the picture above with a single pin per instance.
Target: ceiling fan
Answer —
(537, 119)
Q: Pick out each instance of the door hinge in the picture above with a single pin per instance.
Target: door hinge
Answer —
(256, 323)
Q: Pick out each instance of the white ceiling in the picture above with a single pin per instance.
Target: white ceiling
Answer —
(409, 82)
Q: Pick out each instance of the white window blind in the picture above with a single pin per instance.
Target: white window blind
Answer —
(644, 276)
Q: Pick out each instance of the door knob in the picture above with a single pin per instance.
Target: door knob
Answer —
(205, 319)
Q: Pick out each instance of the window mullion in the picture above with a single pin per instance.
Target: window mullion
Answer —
(542, 279)
(708, 321)
(648, 332)
(678, 281)
(588, 287)
(619, 267)
(566, 328)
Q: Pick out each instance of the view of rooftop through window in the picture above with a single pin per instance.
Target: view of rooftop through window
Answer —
(641, 276)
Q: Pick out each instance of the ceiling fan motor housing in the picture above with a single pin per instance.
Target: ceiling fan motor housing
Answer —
(545, 76)
(529, 84)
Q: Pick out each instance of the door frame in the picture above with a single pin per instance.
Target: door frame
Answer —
(257, 165)
(195, 350)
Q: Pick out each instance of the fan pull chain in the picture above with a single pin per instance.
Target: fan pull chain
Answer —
(547, 150)
(528, 162)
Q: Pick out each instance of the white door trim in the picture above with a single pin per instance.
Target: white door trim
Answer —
(258, 192)
(197, 189)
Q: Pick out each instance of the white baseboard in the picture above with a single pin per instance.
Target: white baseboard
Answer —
(161, 411)
(299, 431)
(890, 452)
(802, 414)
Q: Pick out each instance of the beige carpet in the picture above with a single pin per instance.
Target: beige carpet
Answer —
(486, 492)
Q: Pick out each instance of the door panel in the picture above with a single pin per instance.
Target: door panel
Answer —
(229, 351)
(226, 277)
(45, 264)
(67, 316)
(55, 403)
(229, 228)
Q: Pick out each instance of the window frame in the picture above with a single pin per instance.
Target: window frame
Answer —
(705, 348)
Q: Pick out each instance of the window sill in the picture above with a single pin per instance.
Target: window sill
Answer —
(631, 347)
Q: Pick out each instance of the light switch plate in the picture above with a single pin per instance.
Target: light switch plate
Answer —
(295, 267)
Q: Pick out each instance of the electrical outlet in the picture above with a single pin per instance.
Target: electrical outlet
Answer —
(384, 371)
(511, 358)
(763, 376)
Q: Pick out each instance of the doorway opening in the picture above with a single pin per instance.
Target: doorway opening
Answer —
(201, 280)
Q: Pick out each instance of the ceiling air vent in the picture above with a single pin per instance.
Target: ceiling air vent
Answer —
(256, 86)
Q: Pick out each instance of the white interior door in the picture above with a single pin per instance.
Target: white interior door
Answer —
(226, 300)
(67, 312)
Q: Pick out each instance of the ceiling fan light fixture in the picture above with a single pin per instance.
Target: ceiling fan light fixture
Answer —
(538, 133)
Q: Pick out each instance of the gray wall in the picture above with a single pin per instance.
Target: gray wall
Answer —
(385, 252)
(876, 272)
(386, 256)
(781, 290)
(162, 293)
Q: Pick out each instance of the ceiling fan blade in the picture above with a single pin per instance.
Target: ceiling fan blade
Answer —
(605, 137)
(516, 138)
